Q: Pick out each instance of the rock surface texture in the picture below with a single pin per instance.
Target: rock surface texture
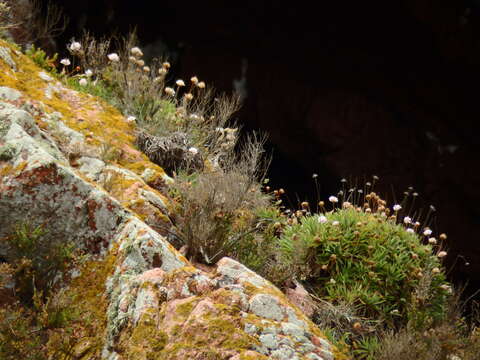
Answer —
(148, 301)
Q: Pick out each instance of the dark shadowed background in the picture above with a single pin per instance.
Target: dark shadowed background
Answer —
(347, 89)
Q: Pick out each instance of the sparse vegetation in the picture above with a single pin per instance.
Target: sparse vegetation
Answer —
(217, 208)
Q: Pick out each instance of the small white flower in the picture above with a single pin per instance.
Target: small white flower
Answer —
(194, 80)
(447, 288)
(409, 230)
(162, 71)
(193, 150)
(333, 199)
(432, 241)
(180, 82)
(169, 91)
(314, 176)
(442, 254)
(146, 69)
(194, 117)
(75, 46)
(140, 63)
(88, 73)
(335, 223)
(131, 119)
(113, 57)
(407, 220)
(322, 219)
(436, 270)
(83, 82)
(332, 281)
(346, 204)
(201, 85)
(396, 207)
(417, 223)
(427, 232)
(136, 51)
(65, 62)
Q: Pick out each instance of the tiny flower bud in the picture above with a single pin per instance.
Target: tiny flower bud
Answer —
(397, 207)
(194, 80)
(136, 51)
(65, 62)
(180, 82)
(442, 254)
(201, 85)
(169, 91)
(322, 219)
(333, 199)
(75, 46)
(113, 57)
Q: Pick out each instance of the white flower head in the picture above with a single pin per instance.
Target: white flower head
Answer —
(322, 219)
(169, 91)
(427, 232)
(410, 230)
(442, 254)
(333, 199)
(201, 85)
(83, 82)
(88, 73)
(131, 119)
(432, 241)
(75, 46)
(193, 150)
(146, 69)
(397, 207)
(65, 62)
(407, 220)
(194, 80)
(335, 223)
(332, 281)
(140, 62)
(180, 82)
(113, 57)
(136, 51)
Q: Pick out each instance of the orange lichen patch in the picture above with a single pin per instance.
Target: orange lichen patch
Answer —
(99, 121)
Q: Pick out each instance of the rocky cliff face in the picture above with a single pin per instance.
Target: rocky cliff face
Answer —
(68, 162)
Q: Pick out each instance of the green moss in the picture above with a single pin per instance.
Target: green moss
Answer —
(146, 338)
(186, 308)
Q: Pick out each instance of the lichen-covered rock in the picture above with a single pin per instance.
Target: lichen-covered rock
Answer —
(139, 297)
(202, 314)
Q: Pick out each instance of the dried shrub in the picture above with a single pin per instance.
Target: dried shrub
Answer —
(216, 210)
